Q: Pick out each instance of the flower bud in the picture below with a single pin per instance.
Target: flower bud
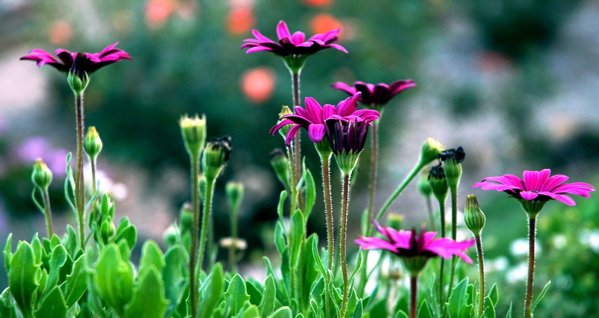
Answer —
(107, 230)
(285, 129)
(474, 216)
(395, 221)
(92, 144)
(186, 217)
(430, 151)
(438, 182)
(453, 167)
(215, 156)
(234, 192)
(77, 77)
(424, 187)
(193, 131)
(171, 235)
(41, 175)
(280, 164)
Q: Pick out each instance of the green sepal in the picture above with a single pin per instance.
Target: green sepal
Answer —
(148, 296)
(211, 291)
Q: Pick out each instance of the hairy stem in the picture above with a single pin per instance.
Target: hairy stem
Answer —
(442, 261)
(413, 295)
(233, 247)
(193, 253)
(328, 206)
(295, 83)
(206, 218)
(373, 170)
(454, 220)
(343, 243)
(481, 273)
(79, 182)
(532, 232)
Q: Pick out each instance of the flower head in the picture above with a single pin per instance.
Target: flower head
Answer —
(537, 186)
(292, 44)
(314, 116)
(409, 244)
(375, 94)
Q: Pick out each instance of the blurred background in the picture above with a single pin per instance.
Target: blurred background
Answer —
(513, 82)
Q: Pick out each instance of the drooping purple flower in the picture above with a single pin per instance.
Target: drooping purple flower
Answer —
(78, 63)
(292, 44)
(347, 135)
(408, 244)
(375, 94)
(314, 116)
(537, 186)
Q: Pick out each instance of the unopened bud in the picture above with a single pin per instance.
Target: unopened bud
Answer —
(234, 192)
(473, 216)
(186, 217)
(453, 167)
(92, 143)
(430, 151)
(438, 182)
(395, 221)
(280, 164)
(107, 230)
(215, 156)
(193, 131)
(41, 175)
(77, 78)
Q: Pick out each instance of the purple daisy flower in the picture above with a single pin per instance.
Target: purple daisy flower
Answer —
(292, 44)
(537, 186)
(375, 94)
(78, 63)
(411, 244)
(314, 117)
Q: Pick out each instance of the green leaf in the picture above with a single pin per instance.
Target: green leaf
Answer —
(172, 273)
(400, 314)
(53, 305)
(254, 292)
(148, 296)
(57, 260)
(127, 232)
(281, 206)
(358, 310)
(76, 283)
(114, 278)
(424, 311)
(457, 305)
(22, 277)
(70, 241)
(379, 308)
(151, 256)
(283, 312)
(7, 307)
(493, 295)
(318, 290)
(509, 312)
(236, 295)
(541, 295)
(310, 192)
(489, 309)
(8, 252)
(279, 238)
(298, 229)
(267, 305)
(251, 312)
(211, 291)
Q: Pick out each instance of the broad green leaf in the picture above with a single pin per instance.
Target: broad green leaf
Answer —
(541, 295)
(7, 307)
(311, 273)
(424, 311)
(22, 277)
(70, 241)
(8, 252)
(310, 192)
(127, 232)
(298, 230)
(236, 295)
(400, 314)
(300, 315)
(172, 273)
(151, 256)
(254, 292)
(251, 312)
(53, 305)
(38, 250)
(318, 290)
(494, 295)
(283, 312)
(57, 260)
(76, 283)
(457, 304)
(267, 305)
(114, 278)
(211, 291)
(148, 296)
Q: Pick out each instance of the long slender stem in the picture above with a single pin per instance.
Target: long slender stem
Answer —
(454, 220)
(343, 243)
(373, 170)
(48, 214)
(481, 273)
(429, 210)
(399, 189)
(79, 182)
(291, 156)
(195, 193)
(328, 206)
(532, 232)
(206, 218)
(442, 265)
(413, 295)
(94, 210)
(233, 247)
(295, 83)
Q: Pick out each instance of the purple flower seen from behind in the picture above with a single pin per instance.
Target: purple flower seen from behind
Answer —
(78, 63)
(314, 117)
(408, 244)
(292, 44)
(375, 94)
(537, 186)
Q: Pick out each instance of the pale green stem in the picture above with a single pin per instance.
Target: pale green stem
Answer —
(195, 193)
(48, 214)
(373, 168)
(343, 242)
(454, 213)
(233, 247)
(206, 218)
(328, 203)
(481, 273)
(532, 232)
(79, 180)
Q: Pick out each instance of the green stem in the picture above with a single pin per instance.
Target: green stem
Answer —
(532, 232)
(48, 214)
(454, 213)
(328, 206)
(295, 83)
(413, 295)
(79, 182)
(481, 273)
(233, 247)
(343, 242)
(206, 218)
(291, 155)
(399, 189)
(94, 210)
(373, 168)
(429, 210)
(195, 193)
(442, 265)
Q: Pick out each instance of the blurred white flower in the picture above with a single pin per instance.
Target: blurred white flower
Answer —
(591, 239)
(499, 264)
(517, 273)
(117, 190)
(519, 247)
(559, 241)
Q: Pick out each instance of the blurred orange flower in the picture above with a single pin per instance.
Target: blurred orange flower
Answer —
(240, 20)
(61, 32)
(158, 11)
(323, 22)
(318, 3)
(258, 83)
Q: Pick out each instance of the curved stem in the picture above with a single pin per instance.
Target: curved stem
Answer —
(481, 273)
(328, 206)
(343, 243)
(399, 189)
(373, 168)
(48, 214)
(413, 295)
(532, 232)
(79, 182)
(193, 253)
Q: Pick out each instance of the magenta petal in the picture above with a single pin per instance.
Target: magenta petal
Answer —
(565, 199)
(369, 243)
(316, 132)
(554, 181)
(291, 133)
(338, 47)
(528, 195)
(344, 87)
(282, 30)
